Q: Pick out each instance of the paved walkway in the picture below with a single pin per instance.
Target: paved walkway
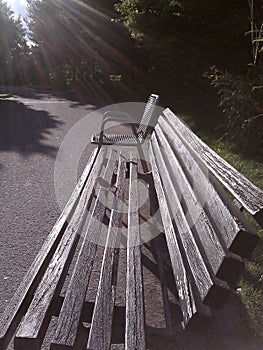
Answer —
(32, 128)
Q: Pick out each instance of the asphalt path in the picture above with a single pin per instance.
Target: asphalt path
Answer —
(32, 128)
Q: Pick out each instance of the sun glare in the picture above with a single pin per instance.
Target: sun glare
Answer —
(16, 2)
(18, 6)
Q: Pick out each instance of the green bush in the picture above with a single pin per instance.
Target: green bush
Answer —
(241, 100)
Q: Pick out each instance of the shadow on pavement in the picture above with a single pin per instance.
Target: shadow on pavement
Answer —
(24, 130)
(96, 94)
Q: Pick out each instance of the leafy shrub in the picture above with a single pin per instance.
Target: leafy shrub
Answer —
(241, 100)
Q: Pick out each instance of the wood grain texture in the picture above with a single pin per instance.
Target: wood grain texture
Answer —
(211, 291)
(229, 222)
(247, 239)
(242, 189)
(32, 329)
(190, 304)
(69, 318)
(215, 254)
(158, 256)
(20, 301)
(135, 327)
(101, 325)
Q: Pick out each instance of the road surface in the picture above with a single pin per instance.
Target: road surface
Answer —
(32, 128)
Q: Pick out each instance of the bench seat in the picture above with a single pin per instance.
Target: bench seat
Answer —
(205, 238)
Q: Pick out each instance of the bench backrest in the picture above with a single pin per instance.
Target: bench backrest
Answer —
(207, 236)
(249, 195)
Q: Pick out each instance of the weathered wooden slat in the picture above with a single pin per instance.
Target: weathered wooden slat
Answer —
(20, 301)
(223, 264)
(135, 328)
(69, 317)
(158, 249)
(242, 189)
(193, 311)
(247, 239)
(100, 330)
(211, 290)
(230, 224)
(33, 327)
(158, 255)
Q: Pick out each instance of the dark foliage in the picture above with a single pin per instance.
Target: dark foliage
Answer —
(13, 46)
(124, 46)
(241, 100)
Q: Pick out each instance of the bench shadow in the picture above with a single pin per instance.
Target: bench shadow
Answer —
(25, 130)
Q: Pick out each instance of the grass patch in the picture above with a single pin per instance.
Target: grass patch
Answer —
(252, 298)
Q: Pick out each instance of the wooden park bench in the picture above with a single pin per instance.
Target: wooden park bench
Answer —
(205, 235)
